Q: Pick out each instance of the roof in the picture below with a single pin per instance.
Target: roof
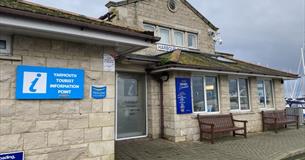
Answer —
(217, 63)
(36, 11)
(126, 2)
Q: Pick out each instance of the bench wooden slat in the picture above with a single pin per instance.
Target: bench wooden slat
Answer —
(278, 118)
(211, 124)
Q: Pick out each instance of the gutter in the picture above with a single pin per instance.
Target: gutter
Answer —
(107, 27)
(220, 72)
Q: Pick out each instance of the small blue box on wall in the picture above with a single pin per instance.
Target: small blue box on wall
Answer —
(12, 156)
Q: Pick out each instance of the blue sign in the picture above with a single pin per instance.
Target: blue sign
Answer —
(49, 83)
(12, 156)
(183, 96)
(98, 92)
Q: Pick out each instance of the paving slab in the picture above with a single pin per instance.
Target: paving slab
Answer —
(261, 146)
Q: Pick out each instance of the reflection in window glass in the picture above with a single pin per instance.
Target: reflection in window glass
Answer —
(178, 38)
(192, 40)
(269, 99)
(243, 92)
(198, 94)
(149, 27)
(239, 98)
(2, 44)
(211, 94)
(233, 91)
(164, 33)
(265, 93)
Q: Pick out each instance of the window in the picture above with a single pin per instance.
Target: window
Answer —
(5, 45)
(265, 93)
(165, 34)
(149, 27)
(205, 94)
(178, 38)
(239, 96)
(192, 40)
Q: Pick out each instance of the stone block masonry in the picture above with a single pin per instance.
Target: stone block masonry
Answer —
(57, 129)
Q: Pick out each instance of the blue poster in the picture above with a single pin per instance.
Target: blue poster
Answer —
(49, 83)
(98, 92)
(12, 156)
(183, 96)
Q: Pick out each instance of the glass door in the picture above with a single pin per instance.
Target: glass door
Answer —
(131, 105)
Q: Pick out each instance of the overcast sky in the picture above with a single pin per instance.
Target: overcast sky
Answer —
(268, 32)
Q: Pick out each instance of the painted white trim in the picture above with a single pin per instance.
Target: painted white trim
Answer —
(10, 23)
(219, 72)
(238, 93)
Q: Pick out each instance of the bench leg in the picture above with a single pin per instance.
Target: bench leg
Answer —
(212, 138)
(263, 127)
(234, 133)
(245, 132)
(275, 128)
(298, 126)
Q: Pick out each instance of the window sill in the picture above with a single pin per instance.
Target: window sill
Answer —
(240, 112)
(11, 58)
(267, 109)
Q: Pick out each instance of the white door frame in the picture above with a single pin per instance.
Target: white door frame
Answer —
(116, 107)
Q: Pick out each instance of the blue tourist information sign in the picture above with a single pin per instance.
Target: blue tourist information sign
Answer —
(12, 156)
(183, 96)
(98, 92)
(49, 83)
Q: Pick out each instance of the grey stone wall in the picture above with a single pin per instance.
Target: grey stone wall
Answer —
(156, 12)
(57, 129)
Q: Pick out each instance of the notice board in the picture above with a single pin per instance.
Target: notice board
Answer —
(183, 96)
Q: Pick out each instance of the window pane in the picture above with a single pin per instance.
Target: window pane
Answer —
(2, 44)
(179, 38)
(192, 40)
(164, 33)
(261, 93)
(198, 94)
(212, 94)
(269, 95)
(243, 92)
(233, 94)
(148, 27)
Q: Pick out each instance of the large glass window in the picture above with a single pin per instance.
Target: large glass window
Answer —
(178, 38)
(192, 40)
(165, 34)
(265, 93)
(205, 94)
(239, 96)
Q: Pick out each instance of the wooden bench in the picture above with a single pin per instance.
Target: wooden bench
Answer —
(278, 118)
(211, 124)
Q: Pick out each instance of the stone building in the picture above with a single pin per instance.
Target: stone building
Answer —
(219, 83)
(63, 127)
(70, 86)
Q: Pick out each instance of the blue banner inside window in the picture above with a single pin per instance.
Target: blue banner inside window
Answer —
(183, 96)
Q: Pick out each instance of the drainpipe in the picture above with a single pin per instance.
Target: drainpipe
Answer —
(163, 78)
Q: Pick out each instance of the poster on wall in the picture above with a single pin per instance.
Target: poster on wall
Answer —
(108, 63)
(35, 82)
(12, 156)
(183, 96)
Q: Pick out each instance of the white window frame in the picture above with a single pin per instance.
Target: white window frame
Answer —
(174, 38)
(205, 95)
(238, 95)
(265, 95)
(7, 39)
(169, 35)
(196, 41)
